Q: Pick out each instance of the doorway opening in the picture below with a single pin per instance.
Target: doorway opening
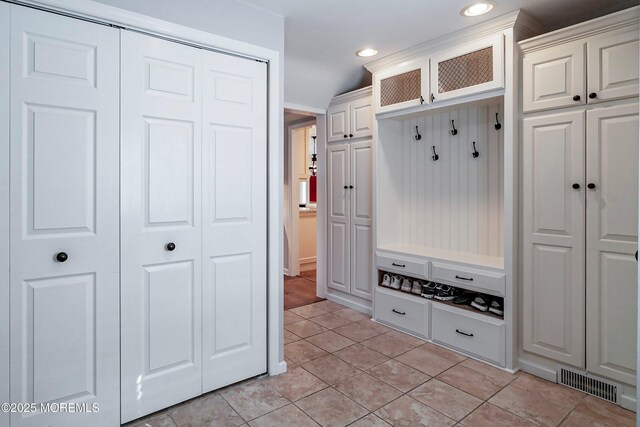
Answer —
(301, 209)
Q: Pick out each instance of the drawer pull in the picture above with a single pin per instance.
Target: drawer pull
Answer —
(398, 265)
(470, 279)
(464, 333)
(399, 312)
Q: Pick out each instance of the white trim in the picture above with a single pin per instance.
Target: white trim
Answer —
(352, 96)
(4, 207)
(321, 212)
(349, 301)
(299, 108)
(108, 14)
(308, 260)
(538, 370)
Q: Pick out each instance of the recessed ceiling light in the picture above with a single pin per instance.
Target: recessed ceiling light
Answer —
(477, 9)
(366, 52)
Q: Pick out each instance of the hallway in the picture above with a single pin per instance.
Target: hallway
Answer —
(300, 290)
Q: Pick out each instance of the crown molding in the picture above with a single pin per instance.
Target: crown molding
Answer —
(352, 96)
(625, 18)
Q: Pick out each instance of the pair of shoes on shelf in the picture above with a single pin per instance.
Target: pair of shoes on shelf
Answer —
(484, 304)
(394, 282)
(440, 292)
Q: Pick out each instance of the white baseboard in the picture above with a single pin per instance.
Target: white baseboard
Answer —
(538, 370)
(628, 402)
(351, 302)
(280, 368)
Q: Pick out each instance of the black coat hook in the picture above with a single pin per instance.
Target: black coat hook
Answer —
(453, 130)
(435, 156)
(417, 136)
(498, 126)
(475, 153)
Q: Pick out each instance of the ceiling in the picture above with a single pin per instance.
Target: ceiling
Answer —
(322, 36)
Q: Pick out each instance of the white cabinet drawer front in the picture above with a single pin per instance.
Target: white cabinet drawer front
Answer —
(469, 278)
(405, 312)
(479, 335)
(410, 267)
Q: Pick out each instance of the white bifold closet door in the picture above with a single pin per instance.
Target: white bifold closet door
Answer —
(193, 222)
(64, 218)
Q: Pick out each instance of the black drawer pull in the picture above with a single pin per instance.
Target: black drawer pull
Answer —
(399, 312)
(464, 333)
(470, 279)
(398, 265)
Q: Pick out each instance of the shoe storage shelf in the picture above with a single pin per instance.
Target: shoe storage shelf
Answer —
(444, 186)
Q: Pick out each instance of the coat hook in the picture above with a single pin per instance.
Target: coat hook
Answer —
(475, 153)
(417, 136)
(453, 130)
(435, 156)
(498, 126)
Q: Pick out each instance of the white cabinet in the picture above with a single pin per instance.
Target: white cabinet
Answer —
(64, 225)
(350, 120)
(349, 193)
(599, 68)
(402, 86)
(571, 274)
(554, 241)
(470, 68)
(612, 241)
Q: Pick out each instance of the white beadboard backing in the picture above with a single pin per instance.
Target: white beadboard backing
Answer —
(456, 202)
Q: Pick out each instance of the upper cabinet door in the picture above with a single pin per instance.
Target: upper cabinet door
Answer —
(361, 118)
(554, 77)
(338, 122)
(403, 86)
(612, 67)
(468, 69)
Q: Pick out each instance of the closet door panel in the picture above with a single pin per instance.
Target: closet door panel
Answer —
(339, 214)
(612, 241)
(234, 219)
(64, 199)
(161, 227)
(5, 37)
(361, 219)
(553, 225)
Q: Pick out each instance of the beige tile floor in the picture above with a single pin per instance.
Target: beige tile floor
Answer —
(345, 369)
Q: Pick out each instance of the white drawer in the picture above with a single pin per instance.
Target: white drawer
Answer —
(404, 311)
(475, 279)
(411, 267)
(473, 333)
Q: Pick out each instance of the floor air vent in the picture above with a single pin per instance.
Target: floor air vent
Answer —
(588, 384)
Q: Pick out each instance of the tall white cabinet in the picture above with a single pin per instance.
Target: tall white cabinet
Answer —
(349, 202)
(580, 202)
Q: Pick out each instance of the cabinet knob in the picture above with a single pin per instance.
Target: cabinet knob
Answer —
(170, 246)
(591, 186)
(345, 187)
(346, 136)
(350, 135)
(351, 187)
(593, 95)
(576, 98)
(433, 98)
(576, 186)
(62, 256)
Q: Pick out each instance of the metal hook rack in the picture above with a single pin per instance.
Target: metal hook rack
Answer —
(417, 136)
(475, 154)
(453, 130)
(435, 156)
(498, 125)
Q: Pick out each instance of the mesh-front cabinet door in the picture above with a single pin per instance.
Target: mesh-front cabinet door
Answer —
(403, 86)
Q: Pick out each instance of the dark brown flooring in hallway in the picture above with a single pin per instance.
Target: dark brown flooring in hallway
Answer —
(300, 290)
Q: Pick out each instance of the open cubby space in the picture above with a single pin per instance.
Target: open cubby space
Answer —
(381, 274)
(449, 206)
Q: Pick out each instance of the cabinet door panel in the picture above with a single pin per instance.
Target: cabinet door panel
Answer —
(64, 198)
(553, 226)
(613, 66)
(406, 85)
(361, 118)
(552, 77)
(338, 122)
(361, 219)
(234, 198)
(339, 213)
(160, 331)
(612, 241)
